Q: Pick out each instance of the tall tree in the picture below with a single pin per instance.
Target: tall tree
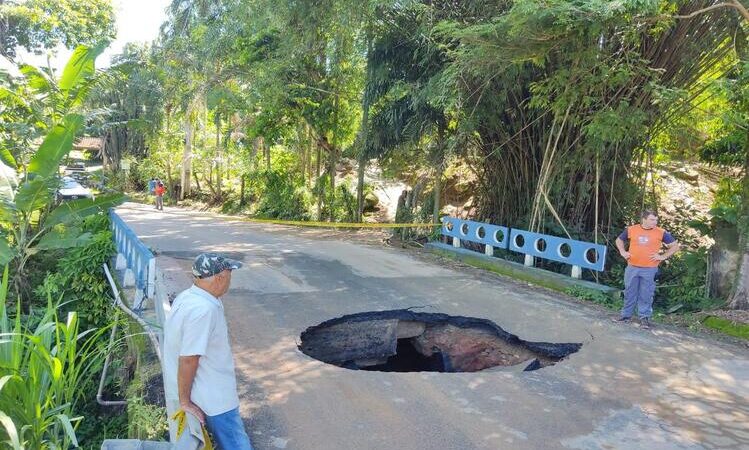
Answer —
(36, 25)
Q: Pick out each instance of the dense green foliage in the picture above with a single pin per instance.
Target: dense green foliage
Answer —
(37, 25)
(558, 112)
(54, 250)
(79, 278)
(31, 221)
(553, 116)
(45, 360)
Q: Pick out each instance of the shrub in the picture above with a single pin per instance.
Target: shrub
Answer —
(285, 197)
(344, 203)
(79, 276)
(727, 203)
(681, 283)
(594, 296)
(44, 362)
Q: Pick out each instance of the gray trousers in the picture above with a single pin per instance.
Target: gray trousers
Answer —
(639, 289)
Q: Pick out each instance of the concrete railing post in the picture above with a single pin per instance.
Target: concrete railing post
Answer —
(151, 278)
(577, 272)
(121, 263)
(529, 260)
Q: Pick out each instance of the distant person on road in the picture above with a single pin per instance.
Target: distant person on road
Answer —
(152, 186)
(159, 191)
(646, 242)
(198, 364)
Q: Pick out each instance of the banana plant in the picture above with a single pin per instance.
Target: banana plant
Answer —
(30, 219)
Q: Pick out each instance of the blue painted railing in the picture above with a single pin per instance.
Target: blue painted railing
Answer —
(133, 255)
(579, 254)
(482, 233)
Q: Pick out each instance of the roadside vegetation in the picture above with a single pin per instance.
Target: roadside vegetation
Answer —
(561, 117)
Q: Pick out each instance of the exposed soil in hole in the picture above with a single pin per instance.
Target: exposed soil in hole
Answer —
(407, 341)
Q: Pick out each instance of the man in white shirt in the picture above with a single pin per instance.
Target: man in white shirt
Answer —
(198, 363)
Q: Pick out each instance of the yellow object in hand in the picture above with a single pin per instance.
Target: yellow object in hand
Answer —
(181, 418)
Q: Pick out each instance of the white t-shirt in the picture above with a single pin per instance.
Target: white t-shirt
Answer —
(196, 326)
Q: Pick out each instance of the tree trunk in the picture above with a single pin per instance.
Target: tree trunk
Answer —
(302, 147)
(186, 157)
(440, 168)
(331, 174)
(360, 186)
(739, 299)
(219, 157)
(310, 150)
(363, 134)
(362, 162)
(333, 158)
(104, 157)
(241, 190)
(437, 192)
(266, 152)
(317, 162)
(170, 179)
(197, 180)
(115, 147)
(257, 144)
(228, 163)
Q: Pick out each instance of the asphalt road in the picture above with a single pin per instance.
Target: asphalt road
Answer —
(625, 389)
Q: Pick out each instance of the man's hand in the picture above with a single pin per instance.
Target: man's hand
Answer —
(625, 254)
(658, 257)
(192, 408)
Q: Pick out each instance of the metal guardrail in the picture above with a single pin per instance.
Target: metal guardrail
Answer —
(492, 236)
(146, 327)
(135, 258)
(583, 254)
(139, 266)
(579, 254)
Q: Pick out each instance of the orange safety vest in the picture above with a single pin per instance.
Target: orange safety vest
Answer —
(643, 244)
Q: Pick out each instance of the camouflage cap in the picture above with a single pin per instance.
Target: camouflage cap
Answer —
(209, 264)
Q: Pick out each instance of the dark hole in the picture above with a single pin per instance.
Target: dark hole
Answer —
(519, 241)
(407, 341)
(481, 233)
(541, 245)
(565, 250)
(498, 236)
(408, 359)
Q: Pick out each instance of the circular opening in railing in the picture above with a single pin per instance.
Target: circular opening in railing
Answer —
(591, 255)
(480, 233)
(448, 225)
(499, 236)
(406, 341)
(464, 229)
(564, 250)
(540, 245)
(519, 241)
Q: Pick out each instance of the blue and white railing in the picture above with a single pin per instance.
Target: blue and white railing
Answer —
(579, 254)
(135, 259)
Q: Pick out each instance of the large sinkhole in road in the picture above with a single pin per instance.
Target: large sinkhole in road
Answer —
(407, 341)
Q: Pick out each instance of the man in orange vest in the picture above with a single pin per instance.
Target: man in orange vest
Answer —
(646, 242)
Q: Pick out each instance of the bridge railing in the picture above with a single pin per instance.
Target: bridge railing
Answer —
(579, 254)
(135, 259)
